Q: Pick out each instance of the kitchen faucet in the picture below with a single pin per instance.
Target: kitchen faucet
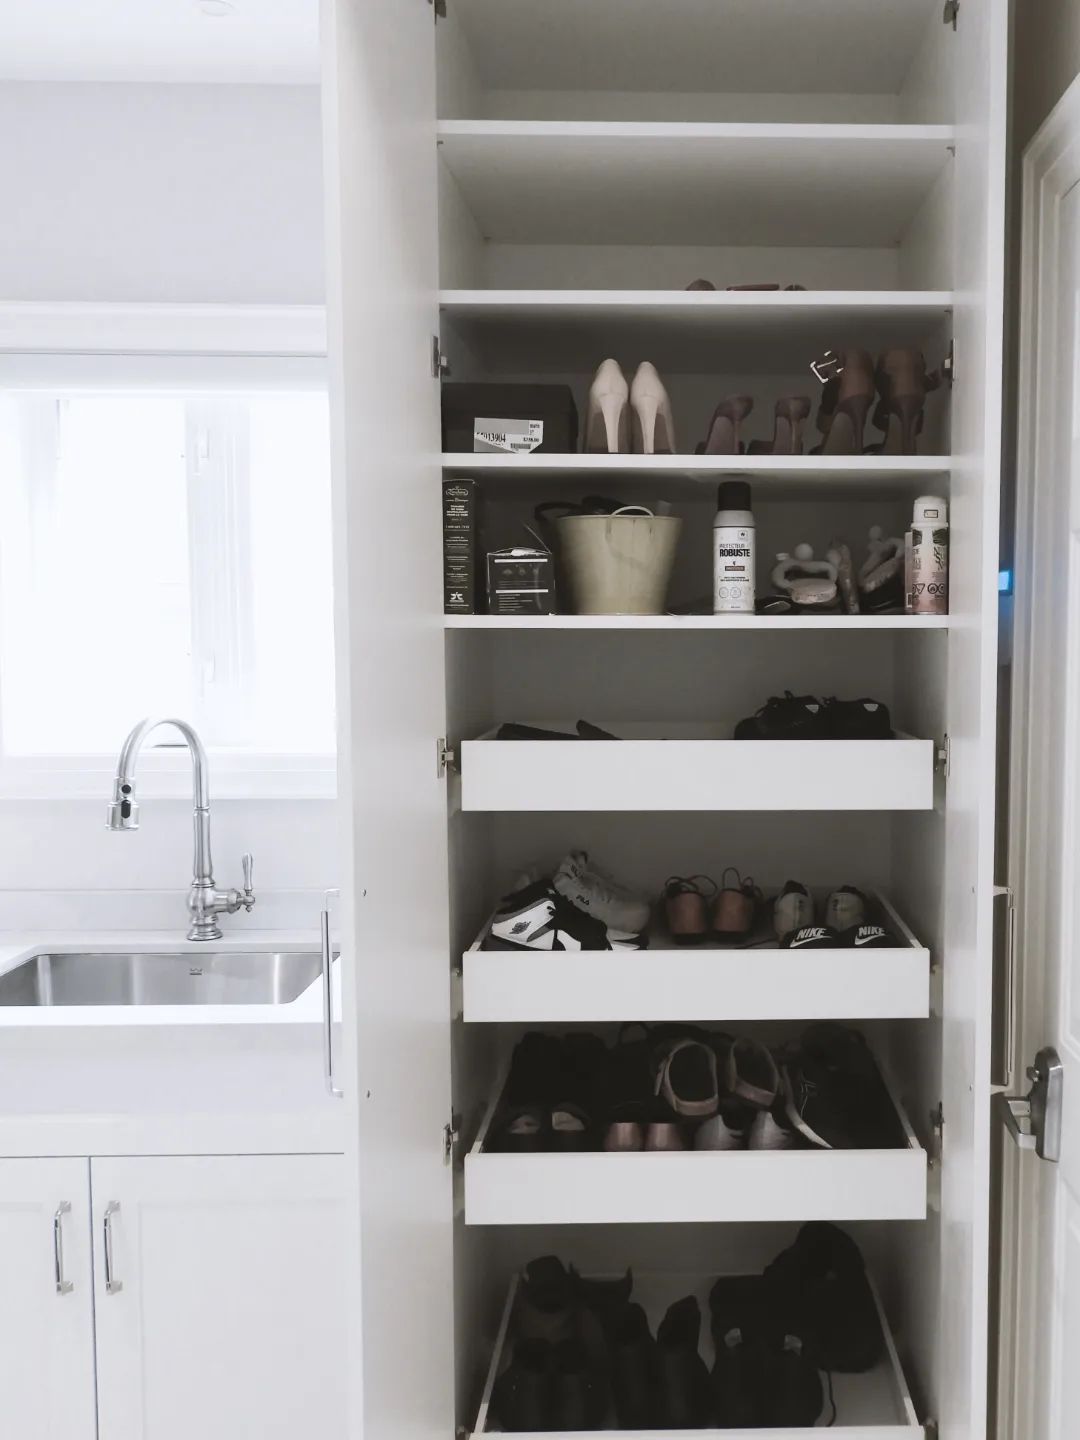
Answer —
(205, 902)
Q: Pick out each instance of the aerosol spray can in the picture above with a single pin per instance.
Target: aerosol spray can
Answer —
(733, 551)
(930, 556)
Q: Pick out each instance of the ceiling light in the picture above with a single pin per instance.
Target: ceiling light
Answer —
(217, 9)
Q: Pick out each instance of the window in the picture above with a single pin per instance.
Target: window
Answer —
(166, 549)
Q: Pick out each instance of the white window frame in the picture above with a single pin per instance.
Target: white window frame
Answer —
(38, 343)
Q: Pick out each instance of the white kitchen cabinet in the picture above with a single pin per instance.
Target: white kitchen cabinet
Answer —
(516, 191)
(46, 1301)
(219, 1296)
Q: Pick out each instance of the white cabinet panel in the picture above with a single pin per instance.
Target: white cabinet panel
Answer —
(46, 1332)
(220, 1297)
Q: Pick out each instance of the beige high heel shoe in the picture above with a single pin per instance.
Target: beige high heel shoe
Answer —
(652, 426)
(607, 424)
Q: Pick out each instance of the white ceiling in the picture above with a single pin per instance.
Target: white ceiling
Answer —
(262, 42)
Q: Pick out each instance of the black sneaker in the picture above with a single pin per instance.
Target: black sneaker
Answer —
(819, 1290)
(834, 1094)
(737, 1382)
(786, 717)
(869, 937)
(793, 909)
(537, 917)
(546, 1307)
(811, 937)
(684, 1393)
(856, 720)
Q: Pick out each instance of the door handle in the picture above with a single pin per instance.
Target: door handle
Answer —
(1034, 1120)
(112, 1285)
(63, 1287)
(328, 1008)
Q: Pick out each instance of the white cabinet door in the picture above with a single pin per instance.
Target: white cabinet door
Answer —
(382, 279)
(220, 1308)
(46, 1301)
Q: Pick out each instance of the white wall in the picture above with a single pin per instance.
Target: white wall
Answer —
(166, 193)
(161, 193)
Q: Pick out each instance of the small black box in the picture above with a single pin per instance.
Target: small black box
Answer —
(460, 499)
(549, 407)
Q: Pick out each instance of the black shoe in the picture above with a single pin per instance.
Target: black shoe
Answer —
(579, 1392)
(634, 1373)
(819, 1291)
(684, 1389)
(535, 1070)
(851, 1094)
(857, 720)
(522, 1393)
(791, 1393)
(520, 1130)
(739, 1330)
(786, 717)
(584, 731)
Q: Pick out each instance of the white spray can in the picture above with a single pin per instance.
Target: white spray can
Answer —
(733, 551)
(930, 556)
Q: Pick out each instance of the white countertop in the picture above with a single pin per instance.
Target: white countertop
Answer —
(19, 946)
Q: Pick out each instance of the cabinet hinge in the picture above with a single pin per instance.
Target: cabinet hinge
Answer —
(943, 758)
(451, 1135)
(948, 366)
(930, 1429)
(937, 1136)
(439, 7)
(440, 365)
(445, 758)
(950, 13)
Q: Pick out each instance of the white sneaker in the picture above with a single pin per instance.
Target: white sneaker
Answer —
(792, 909)
(845, 908)
(599, 895)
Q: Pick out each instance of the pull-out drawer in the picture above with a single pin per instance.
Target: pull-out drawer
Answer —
(694, 767)
(876, 1405)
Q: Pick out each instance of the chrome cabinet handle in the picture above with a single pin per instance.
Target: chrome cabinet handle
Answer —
(63, 1287)
(112, 1285)
(328, 1010)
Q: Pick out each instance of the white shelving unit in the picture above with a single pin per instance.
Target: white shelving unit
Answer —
(911, 624)
(876, 1405)
(533, 186)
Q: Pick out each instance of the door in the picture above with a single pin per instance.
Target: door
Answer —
(220, 1297)
(381, 173)
(46, 1301)
(1041, 1396)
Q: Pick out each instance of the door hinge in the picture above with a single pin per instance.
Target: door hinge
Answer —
(439, 7)
(440, 365)
(451, 1135)
(445, 758)
(943, 758)
(950, 13)
(937, 1136)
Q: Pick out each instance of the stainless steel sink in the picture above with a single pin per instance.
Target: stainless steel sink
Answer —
(193, 978)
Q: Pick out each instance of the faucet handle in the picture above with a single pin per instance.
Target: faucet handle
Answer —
(249, 894)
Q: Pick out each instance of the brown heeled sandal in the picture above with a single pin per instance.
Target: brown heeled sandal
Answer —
(845, 404)
(903, 383)
(723, 436)
(789, 417)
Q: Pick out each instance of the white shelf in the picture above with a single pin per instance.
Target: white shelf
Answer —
(693, 767)
(775, 477)
(557, 331)
(723, 623)
(875, 1405)
(839, 47)
(694, 1186)
(607, 182)
(698, 983)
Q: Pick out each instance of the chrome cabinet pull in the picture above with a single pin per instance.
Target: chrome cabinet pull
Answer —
(328, 1010)
(63, 1287)
(112, 1285)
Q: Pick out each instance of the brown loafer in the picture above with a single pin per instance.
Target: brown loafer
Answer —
(686, 908)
